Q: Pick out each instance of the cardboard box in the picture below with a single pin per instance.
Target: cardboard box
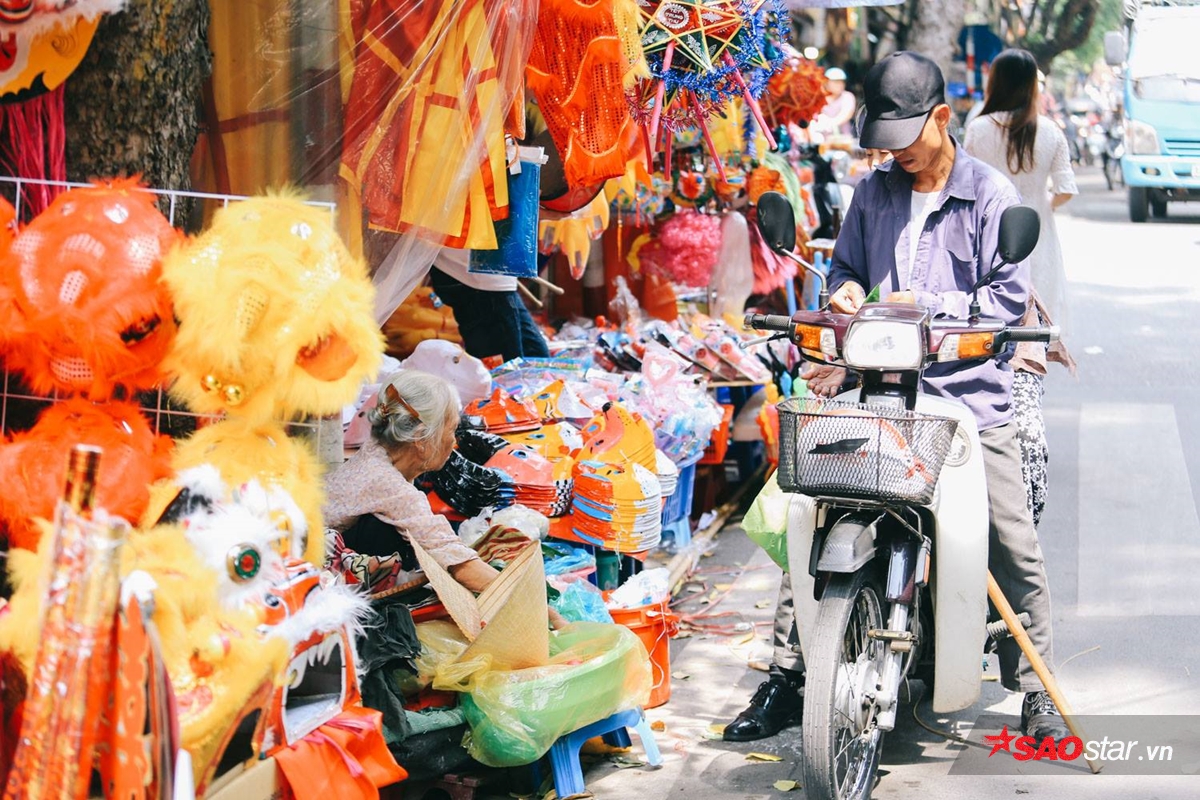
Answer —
(261, 780)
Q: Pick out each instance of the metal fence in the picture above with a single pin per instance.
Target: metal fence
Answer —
(19, 407)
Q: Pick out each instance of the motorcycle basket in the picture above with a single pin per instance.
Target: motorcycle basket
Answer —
(829, 448)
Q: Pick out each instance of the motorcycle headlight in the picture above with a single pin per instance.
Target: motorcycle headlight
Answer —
(884, 344)
(1141, 139)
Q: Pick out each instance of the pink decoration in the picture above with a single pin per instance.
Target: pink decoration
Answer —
(685, 248)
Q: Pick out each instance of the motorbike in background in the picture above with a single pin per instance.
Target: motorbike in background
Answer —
(830, 193)
(888, 526)
(1114, 151)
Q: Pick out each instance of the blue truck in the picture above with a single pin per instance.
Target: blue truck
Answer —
(1159, 54)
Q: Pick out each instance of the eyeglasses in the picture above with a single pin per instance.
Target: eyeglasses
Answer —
(392, 396)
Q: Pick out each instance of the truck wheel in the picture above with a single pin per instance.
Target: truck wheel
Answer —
(1139, 204)
(1158, 207)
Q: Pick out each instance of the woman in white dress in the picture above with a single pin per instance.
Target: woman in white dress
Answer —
(1031, 150)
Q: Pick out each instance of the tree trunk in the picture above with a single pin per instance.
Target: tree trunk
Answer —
(133, 106)
(934, 31)
(1073, 23)
(837, 37)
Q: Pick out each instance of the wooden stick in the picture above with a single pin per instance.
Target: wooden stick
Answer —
(551, 286)
(530, 295)
(660, 92)
(708, 140)
(750, 101)
(1043, 672)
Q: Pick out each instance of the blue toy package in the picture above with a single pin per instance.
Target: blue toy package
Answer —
(517, 235)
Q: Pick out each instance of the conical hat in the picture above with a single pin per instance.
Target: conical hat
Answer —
(509, 620)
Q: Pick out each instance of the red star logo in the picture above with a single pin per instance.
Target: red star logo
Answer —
(1001, 742)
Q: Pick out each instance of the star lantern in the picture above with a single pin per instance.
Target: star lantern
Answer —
(700, 54)
(796, 93)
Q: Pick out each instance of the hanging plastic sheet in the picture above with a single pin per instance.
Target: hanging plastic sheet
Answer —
(434, 88)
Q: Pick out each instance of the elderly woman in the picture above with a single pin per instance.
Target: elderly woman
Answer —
(371, 496)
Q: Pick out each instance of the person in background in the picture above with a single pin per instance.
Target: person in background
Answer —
(839, 109)
(492, 318)
(1032, 152)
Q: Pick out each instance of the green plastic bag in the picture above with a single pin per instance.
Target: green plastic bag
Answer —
(766, 521)
(595, 670)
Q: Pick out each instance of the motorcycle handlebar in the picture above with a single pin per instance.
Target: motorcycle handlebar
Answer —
(768, 322)
(1046, 334)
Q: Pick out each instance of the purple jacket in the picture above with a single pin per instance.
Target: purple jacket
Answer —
(957, 246)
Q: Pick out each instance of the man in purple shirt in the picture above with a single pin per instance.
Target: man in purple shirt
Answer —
(924, 228)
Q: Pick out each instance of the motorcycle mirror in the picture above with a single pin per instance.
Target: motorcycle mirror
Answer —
(1020, 228)
(1114, 48)
(777, 222)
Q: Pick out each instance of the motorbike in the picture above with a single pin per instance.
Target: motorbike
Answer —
(830, 194)
(1114, 151)
(888, 526)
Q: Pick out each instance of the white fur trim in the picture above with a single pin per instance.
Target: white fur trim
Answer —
(330, 608)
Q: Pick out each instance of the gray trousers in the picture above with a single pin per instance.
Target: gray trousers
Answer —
(1014, 559)
(1015, 556)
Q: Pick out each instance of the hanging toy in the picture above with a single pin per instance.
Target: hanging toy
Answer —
(700, 53)
(297, 339)
(685, 249)
(573, 235)
(796, 93)
(86, 316)
(584, 56)
(42, 44)
(692, 188)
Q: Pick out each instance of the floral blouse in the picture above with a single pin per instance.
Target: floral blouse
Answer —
(368, 483)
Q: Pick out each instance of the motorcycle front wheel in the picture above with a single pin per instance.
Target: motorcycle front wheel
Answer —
(841, 743)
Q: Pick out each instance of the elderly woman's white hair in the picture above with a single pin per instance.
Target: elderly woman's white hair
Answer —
(413, 407)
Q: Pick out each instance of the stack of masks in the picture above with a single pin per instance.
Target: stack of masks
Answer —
(617, 506)
(668, 473)
(618, 497)
(488, 471)
(502, 413)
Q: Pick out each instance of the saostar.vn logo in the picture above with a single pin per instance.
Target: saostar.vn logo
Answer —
(1027, 748)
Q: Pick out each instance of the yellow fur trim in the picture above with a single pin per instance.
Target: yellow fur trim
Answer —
(266, 284)
(243, 451)
(217, 660)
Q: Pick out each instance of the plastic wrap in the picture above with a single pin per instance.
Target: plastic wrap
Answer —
(766, 522)
(733, 276)
(441, 643)
(679, 408)
(396, 110)
(433, 89)
(644, 589)
(581, 602)
(594, 671)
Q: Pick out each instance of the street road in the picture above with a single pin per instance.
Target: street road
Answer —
(1120, 535)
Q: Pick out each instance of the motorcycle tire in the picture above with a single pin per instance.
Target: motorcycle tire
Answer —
(849, 607)
(1158, 207)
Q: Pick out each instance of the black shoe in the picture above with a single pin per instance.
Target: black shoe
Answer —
(1040, 718)
(776, 705)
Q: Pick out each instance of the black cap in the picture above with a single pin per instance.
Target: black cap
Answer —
(900, 91)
